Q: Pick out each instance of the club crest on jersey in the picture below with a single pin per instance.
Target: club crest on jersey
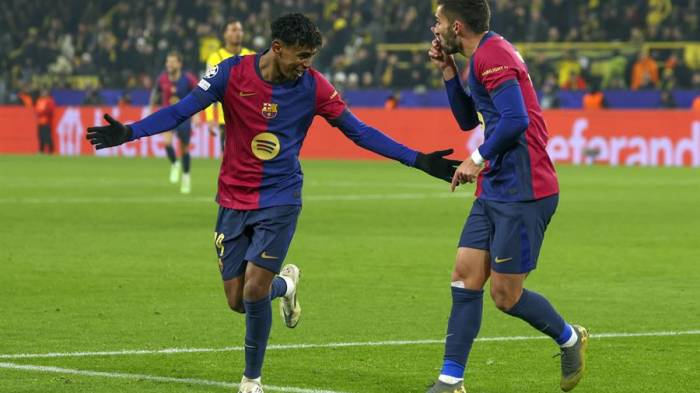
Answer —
(269, 110)
(265, 146)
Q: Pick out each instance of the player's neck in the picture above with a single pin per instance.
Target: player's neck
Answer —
(470, 43)
(269, 70)
(234, 49)
(174, 75)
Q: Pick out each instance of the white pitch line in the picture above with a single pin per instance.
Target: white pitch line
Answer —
(170, 351)
(155, 378)
(185, 199)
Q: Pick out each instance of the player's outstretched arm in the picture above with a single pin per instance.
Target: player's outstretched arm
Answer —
(163, 120)
(376, 141)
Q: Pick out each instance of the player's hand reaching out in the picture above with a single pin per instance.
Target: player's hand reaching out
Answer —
(467, 172)
(435, 164)
(113, 134)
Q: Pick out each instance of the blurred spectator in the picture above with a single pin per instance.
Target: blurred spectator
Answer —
(25, 98)
(696, 105)
(392, 102)
(45, 107)
(574, 82)
(92, 97)
(570, 73)
(676, 68)
(117, 43)
(667, 100)
(645, 73)
(594, 98)
(550, 96)
(613, 75)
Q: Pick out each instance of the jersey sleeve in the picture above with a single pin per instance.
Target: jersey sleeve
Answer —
(212, 86)
(496, 68)
(328, 101)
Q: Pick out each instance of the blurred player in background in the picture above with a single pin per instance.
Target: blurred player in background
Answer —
(233, 46)
(171, 86)
(271, 99)
(517, 191)
(45, 108)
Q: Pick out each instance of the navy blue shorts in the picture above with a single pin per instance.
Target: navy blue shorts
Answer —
(260, 236)
(184, 132)
(512, 232)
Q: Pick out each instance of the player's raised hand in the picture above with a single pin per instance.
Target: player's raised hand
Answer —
(438, 57)
(435, 164)
(113, 134)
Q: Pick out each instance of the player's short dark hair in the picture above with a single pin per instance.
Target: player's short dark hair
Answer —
(297, 30)
(475, 13)
(230, 22)
(176, 54)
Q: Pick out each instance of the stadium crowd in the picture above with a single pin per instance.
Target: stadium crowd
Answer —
(122, 44)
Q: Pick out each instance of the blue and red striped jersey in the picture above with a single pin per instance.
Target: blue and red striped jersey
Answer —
(266, 124)
(523, 171)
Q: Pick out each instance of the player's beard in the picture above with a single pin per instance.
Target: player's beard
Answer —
(450, 44)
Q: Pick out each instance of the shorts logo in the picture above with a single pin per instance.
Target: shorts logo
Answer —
(211, 72)
(269, 110)
(265, 146)
(264, 255)
(503, 260)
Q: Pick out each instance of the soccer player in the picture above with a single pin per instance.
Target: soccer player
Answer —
(171, 86)
(271, 99)
(516, 194)
(233, 46)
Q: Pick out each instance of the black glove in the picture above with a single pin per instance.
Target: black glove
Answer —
(114, 134)
(435, 165)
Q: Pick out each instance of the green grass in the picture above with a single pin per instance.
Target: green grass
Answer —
(105, 254)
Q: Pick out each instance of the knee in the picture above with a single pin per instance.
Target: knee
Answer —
(504, 298)
(253, 290)
(470, 270)
(235, 303)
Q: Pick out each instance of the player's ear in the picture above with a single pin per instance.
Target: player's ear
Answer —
(457, 27)
(276, 47)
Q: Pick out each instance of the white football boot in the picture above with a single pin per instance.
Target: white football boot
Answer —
(175, 172)
(289, 303)
(250, 386)
(185, 184)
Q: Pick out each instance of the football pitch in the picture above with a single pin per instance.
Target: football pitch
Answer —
(109, 282)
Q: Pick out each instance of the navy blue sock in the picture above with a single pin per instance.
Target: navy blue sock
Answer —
(279, 288)
(170, 151)
(186, 163)
(258, 321)
(462, 329)
(534, 309)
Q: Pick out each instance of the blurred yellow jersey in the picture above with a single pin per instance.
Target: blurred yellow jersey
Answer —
(215, 58)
